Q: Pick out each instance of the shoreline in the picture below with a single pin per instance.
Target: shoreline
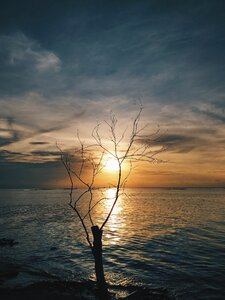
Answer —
(62, 290)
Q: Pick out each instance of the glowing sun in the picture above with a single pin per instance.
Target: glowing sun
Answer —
(111, 164)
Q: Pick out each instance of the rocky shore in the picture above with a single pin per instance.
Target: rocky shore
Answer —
(79, 291)
(66, 290)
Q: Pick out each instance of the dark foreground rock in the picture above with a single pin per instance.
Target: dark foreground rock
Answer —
(79, 291)
(7, 242)
(8, 271)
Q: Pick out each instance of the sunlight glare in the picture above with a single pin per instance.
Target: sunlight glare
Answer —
(111, 195)
(111, 164)
(115, 219)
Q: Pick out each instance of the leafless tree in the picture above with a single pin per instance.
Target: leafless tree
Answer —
(127, 149)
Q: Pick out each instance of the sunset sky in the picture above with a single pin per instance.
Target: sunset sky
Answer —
(67, 64)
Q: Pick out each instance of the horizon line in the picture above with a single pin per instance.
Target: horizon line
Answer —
(96, 188)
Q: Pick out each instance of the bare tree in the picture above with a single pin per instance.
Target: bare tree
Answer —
(125, 151)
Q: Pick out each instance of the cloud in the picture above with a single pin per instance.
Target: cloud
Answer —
(140, 51)
(39, 143)
(64, 68)
(212, 111)
(20, 51)
(196, 140)
(34, 170)
(48, 61)
(147, 49)
(6, 141)
(160, 173)
(46, 153)
(25, 65)
(8, 134)
(179, 143)
(30, 175)
(9, 156)
(32, 115)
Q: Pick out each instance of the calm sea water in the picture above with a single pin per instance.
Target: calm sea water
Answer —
(160, 238)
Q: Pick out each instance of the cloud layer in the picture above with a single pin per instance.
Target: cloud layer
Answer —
(64, 66)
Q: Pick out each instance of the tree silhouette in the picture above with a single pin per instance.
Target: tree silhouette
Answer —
(125, 149)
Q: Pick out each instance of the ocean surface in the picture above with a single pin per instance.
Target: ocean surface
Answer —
(159, 238)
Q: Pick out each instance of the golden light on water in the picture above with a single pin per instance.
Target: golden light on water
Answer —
(114, 221)
(111, 195)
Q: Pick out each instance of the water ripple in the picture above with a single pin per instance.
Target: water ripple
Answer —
(172, 239)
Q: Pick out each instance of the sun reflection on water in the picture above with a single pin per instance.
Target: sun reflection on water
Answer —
(114, 223)
(110, 195)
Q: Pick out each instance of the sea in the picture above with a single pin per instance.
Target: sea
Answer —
(158, 238)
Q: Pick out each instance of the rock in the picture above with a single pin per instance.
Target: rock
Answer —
(7, 272)
(8, 242)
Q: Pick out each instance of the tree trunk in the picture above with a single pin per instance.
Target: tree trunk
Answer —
(97, 253)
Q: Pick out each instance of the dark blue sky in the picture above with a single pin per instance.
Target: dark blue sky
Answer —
(74, 61)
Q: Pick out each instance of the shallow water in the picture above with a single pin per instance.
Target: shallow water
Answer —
(160, 238)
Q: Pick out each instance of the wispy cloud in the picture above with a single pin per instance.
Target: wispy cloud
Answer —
(39, 143)
(31, 115)
(25, 65)
(66, 68)
(215, 113)
(46, 153)
(20, 51)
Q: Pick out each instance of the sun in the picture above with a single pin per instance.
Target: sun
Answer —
(111, 164)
